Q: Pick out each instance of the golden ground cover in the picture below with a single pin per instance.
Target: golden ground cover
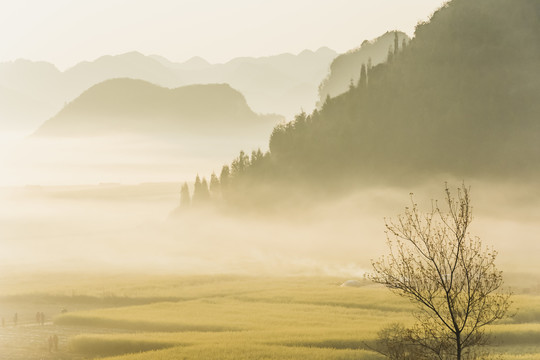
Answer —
(230, 317)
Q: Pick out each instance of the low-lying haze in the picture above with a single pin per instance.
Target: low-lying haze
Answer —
(128, 227)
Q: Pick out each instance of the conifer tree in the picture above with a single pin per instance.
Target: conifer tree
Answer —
(362, 83)
(327, 100)
(256, 156)
(224, 178)
(205, 193)
(351, 85)
(185, 198)
(240, 164)
(390, 55)
(215, 189)
(197, 189)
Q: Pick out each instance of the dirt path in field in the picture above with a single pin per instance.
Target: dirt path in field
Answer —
(30, 341)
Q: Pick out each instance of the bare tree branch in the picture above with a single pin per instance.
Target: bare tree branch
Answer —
(451, 276)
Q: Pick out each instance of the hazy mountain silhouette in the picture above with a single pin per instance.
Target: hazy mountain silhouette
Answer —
(17, 109)
(195, 63)
(346, 67)
(460, 100)
(276, 84)
(29, 91)
(127, 106)
(132, 65)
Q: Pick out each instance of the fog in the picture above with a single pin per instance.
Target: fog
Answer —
(129, 159)
(107, 217)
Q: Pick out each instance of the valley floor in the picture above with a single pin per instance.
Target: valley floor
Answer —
(151, 317)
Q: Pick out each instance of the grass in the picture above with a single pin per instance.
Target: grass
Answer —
(229, 317)
(110, 345)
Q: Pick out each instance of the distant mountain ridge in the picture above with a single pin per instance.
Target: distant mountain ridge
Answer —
(275, 84)
(128, 106)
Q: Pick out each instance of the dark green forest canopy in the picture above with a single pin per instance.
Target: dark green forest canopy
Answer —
(461, 98)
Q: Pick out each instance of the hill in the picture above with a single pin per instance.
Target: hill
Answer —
(121, 106)
(460, 100)
(346, 67)
(281, 84)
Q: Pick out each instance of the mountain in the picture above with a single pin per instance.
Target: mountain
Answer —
(29, 91)
(127, 106)
(461, 100)
(264, 81)
(133, 65)
(282, 84)
(346, 67)
(195, 63)
(17, 108)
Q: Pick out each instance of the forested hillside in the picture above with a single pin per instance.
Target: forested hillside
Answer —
(347, 67)
(461, 99)
(425, 111)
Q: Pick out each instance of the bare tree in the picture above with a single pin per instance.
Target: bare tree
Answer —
(434, 262)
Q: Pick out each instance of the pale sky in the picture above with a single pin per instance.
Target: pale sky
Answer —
(65, 32)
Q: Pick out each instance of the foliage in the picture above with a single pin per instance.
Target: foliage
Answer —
(347, 66)
(459, 99)
(185, 198)
(435, 263)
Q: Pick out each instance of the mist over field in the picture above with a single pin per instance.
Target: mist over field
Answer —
(130, 227)
(122, 159)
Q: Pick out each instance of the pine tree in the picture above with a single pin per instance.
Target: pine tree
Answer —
(362, 83)
(224, 177)
(197, 189)
(224, 181)
(215, 188)
(390, 55)
(240, 164)
(396, 43)
(185, 198)
(256, 156)
(205, 193)
(327, 100)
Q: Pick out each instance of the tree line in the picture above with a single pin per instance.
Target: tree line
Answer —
(221, 188)
(460, 98)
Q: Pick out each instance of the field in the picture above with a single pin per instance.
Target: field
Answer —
(151, 317)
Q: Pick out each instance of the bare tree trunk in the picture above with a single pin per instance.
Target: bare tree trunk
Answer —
(458, 343)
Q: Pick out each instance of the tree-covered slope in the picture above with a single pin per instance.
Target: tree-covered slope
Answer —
(346, 67)
(462, 99)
